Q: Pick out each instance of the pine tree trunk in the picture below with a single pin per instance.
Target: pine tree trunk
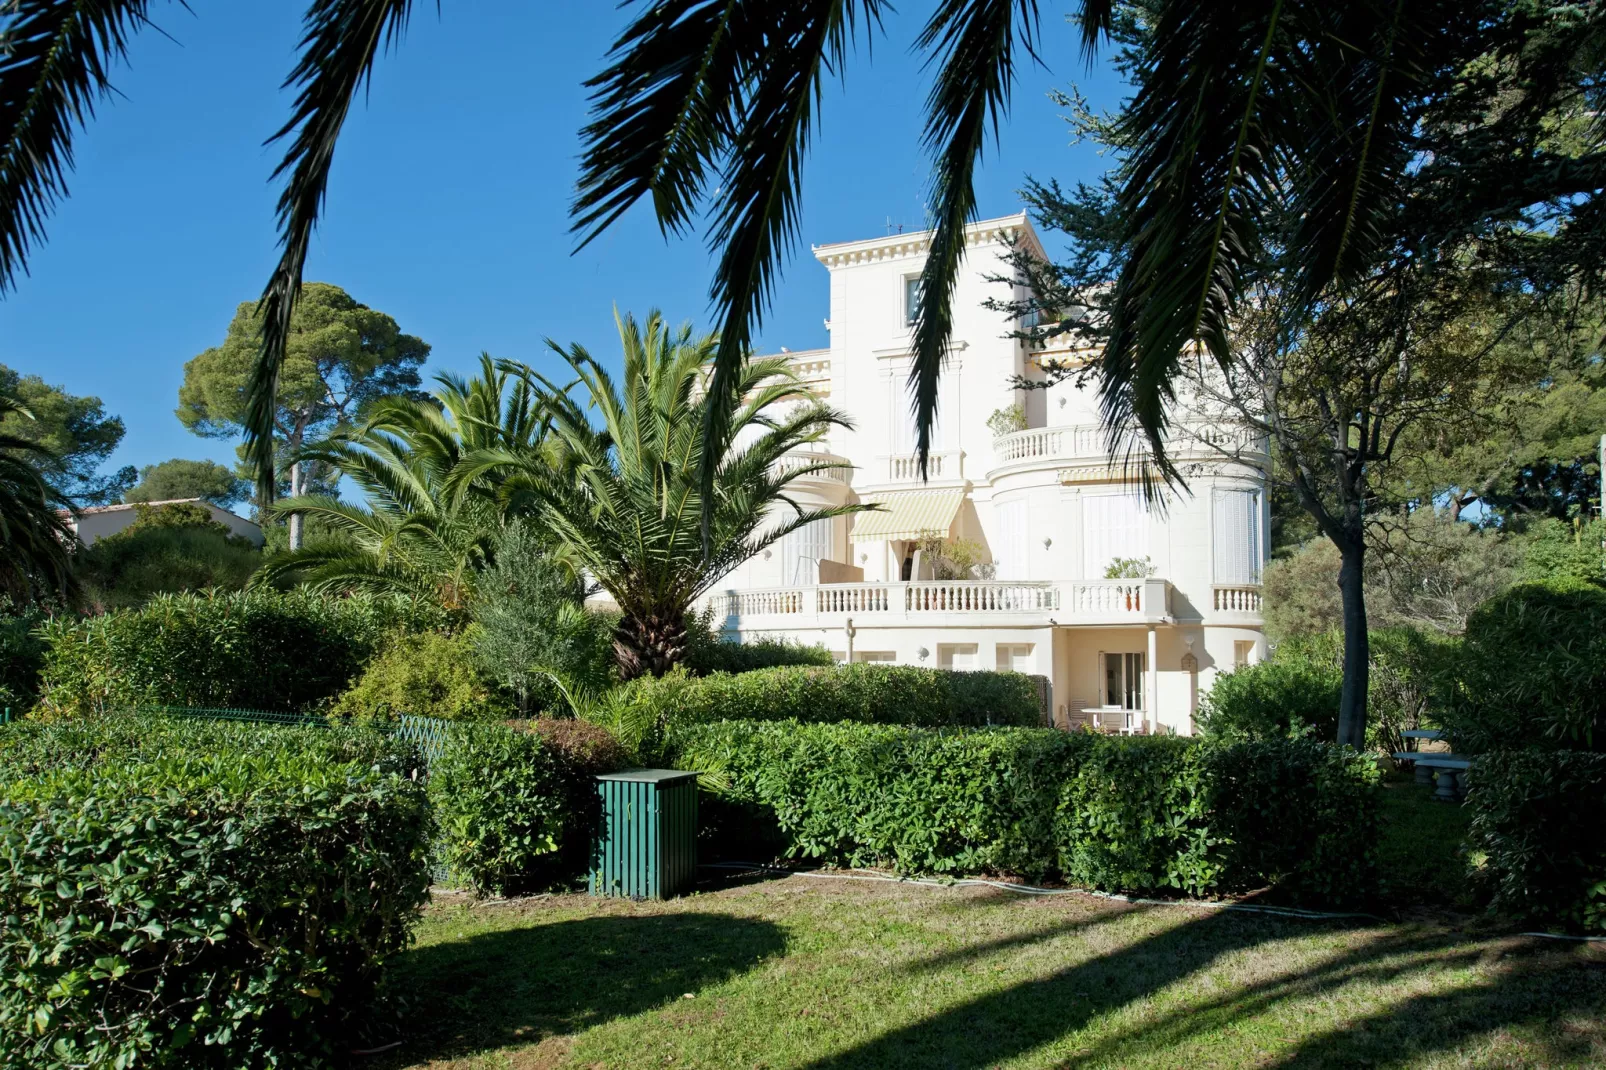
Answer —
(650, 645)
(295, 518)
(1357, 652)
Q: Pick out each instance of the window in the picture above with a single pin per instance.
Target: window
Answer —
(1113, 525)
(958, 656)
(803, 550)
(1243, 652)
(1011, 555)
(1236, 532)
(1014, 657)
(1123, 680)
(874, 657)
(911, 299)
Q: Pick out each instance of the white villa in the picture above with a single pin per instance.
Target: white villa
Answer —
(1043, 509)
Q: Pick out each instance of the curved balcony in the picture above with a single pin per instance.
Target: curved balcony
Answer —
(1047, 447)
(839, 469)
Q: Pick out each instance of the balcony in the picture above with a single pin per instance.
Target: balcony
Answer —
(944, 466)
(839, 470)
(947, 602)
(1084, 443)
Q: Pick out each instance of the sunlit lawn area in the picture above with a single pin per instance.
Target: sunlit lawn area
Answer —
(805, 972)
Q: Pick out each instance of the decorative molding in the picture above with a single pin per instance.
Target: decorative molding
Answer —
(918, 243)
(955, 347)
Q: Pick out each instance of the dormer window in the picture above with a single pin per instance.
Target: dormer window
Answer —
(911, 300)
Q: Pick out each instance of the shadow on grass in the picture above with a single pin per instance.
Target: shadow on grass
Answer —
(1530, 989)
(520, 985)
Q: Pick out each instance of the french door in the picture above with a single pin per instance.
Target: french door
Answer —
(1123, 680)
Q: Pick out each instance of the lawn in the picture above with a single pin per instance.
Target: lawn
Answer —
(806, 972)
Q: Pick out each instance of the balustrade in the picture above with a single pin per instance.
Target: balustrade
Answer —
(1244, 599)
(1097, 600)
(1106, 599)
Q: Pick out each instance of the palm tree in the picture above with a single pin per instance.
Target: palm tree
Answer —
(626, 499)
(34, 532)
(415, 536)
(707, 108)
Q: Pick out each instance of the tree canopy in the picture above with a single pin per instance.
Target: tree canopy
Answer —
(180, 478)
(340, 356)
(75, 433)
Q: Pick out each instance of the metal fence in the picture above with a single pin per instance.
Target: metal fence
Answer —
(429, 733)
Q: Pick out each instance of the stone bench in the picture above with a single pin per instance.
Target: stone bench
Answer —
(1451, 768)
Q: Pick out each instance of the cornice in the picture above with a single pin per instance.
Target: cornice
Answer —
(918, 243)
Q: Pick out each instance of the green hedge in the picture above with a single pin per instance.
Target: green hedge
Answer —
(199, 895)
(1532, 671)
(1537, 822)
(871, 694)
(518, 805)
(707, 652)
(427, 674)
(257, 649)
(1118, 813)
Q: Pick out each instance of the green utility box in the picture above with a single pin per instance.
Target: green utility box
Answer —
(647, 844)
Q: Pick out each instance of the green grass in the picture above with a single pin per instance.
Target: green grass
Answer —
(820, 974)
(1421, 855)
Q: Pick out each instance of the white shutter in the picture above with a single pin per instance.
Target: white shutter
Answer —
(1113, 525)
(1012, 553)
(1236, 532)
(803, 550)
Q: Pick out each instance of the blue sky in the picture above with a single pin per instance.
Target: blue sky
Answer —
(447, 207)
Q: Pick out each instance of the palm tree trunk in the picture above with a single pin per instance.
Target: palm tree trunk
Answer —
(649, 645)
(1357, 646)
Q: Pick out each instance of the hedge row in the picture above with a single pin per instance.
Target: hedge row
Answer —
(1117, 813)
(256, 649)
(1537, 820)
(870, 694)
(519, 809)
(182, 894)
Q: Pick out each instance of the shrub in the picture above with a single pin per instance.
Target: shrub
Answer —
(127, 569)
(1284, 698)
(875, 694)
(1296, 693)
(531, 618)
(1536, 819)
(22, 655)
(501, 799)
(199, 895)
(258, 649)
(707, 653)
(430, 674)
(1128, 814)
(583, 751)
(1532, 671)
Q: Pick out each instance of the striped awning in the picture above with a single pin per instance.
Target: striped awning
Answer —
(908, 514)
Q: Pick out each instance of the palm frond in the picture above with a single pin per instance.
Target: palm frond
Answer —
(976, 42)
(55, 59)
(1197, 187)
(34, 528)
(340, 42)
(700, 83)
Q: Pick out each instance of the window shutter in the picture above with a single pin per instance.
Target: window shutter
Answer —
(1012, 553)
(803, 550)
(1236, 530)
(1113, 525)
